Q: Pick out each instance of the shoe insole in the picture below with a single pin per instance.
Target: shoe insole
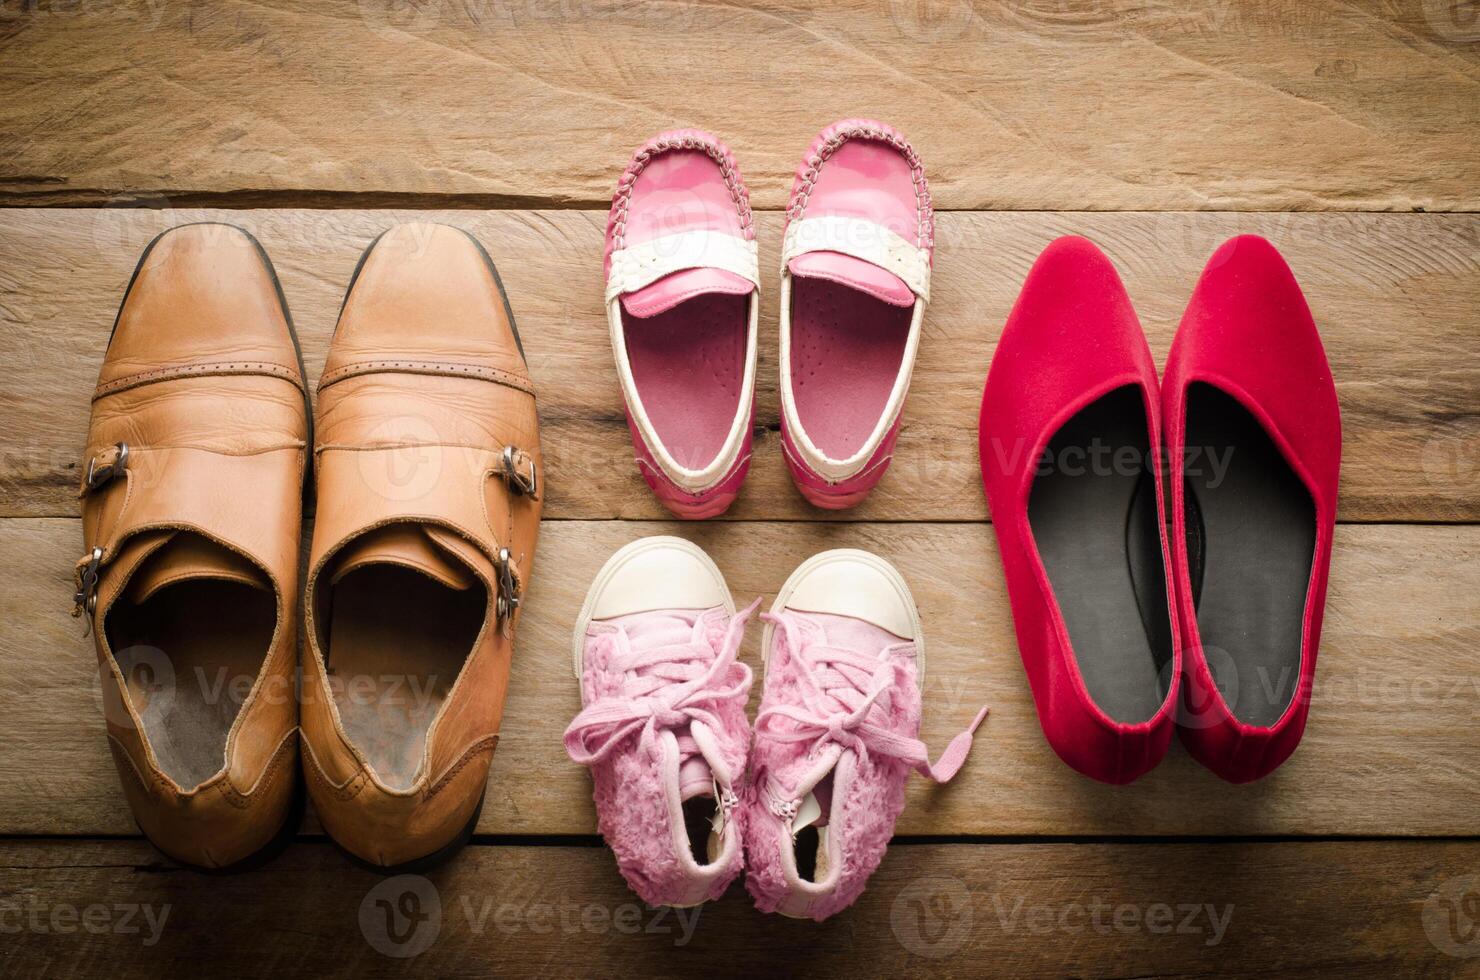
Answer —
(689, 365)
(698, 822)
(1094, 519)
(847, 349)
(397, 641)
(197, 646)
(1251, 531)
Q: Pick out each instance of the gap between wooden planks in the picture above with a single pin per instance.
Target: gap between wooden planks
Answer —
(1395, 297)
(1392, 746)
(1253, 105)
(1300, 909)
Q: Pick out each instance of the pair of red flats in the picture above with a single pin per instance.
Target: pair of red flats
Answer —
(1138, 609)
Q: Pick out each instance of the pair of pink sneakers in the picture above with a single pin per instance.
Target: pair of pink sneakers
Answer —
(683, 795)
(682, 298)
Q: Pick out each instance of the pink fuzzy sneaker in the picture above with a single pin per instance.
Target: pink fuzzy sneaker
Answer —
(837, 734)
(855, 278)
(681, 299)
(663, 725)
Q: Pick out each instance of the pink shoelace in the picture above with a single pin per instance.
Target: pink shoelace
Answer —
(849, 684)
(667, 687)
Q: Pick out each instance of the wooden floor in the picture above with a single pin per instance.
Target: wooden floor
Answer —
(1343, 130)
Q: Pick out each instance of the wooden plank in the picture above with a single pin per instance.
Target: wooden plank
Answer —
(1243, 105)
(1395, 296)
(1293, 910)
(1393, 720)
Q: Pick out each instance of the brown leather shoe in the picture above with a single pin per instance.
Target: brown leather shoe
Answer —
(428, 489)
(191, 510)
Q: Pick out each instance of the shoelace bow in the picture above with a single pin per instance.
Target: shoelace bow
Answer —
(851, 684)
(668, 687)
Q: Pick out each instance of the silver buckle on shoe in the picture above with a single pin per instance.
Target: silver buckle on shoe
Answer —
(106, 465)
(525, 482)
(508, 587)
(85, 599)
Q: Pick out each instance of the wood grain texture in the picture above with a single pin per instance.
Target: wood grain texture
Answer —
(1292, 910)
(1240, 105)
(1392, 745)
(1395, 297)
(1156, 128)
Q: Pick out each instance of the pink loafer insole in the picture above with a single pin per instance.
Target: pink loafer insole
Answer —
(688, 363)
(846, 352)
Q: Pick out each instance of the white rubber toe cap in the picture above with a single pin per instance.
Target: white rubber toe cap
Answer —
(657, 573)
(847, 582)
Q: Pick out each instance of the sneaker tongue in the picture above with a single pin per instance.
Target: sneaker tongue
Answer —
(847, 270)
(186, 557)
(424, 548)
(665, 627)
(668, 292)
(695, 778)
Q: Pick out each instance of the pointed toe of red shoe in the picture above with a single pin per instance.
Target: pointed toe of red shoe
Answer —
(1073, 300)
(1248, 323)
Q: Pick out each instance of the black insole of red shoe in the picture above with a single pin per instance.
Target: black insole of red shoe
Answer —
(1251, 527)
(1095, 521)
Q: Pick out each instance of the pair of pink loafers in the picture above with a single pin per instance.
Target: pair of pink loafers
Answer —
(687, 793)
(682, 297)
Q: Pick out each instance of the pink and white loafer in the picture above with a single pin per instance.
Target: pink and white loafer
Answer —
(682, 285)
(855, 278)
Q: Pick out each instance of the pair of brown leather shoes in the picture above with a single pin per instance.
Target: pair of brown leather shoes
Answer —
(428, 494)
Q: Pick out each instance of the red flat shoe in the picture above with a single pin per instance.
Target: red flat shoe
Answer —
(1254, 436)
(1070, 449)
